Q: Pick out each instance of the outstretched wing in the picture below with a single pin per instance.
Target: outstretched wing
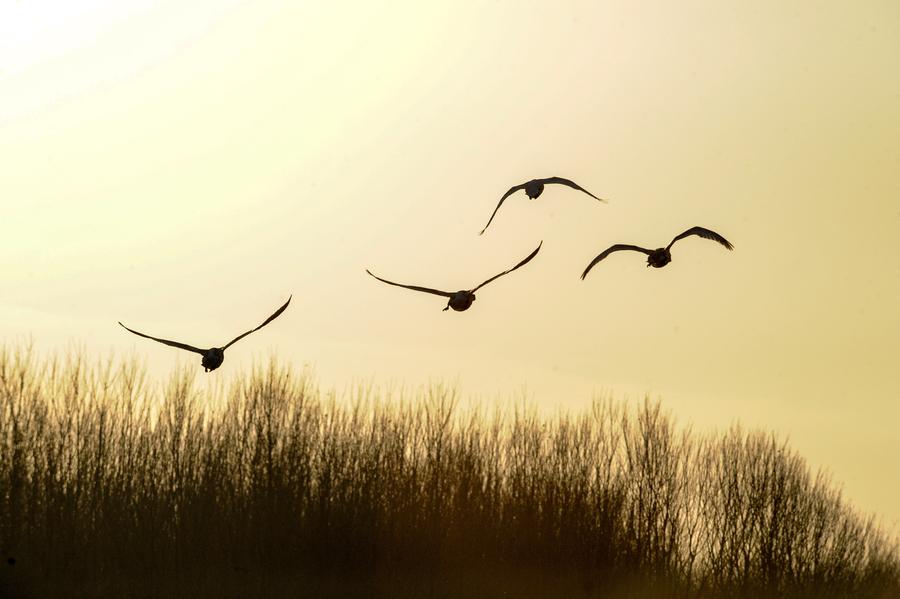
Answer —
(413, 287)
(610, 250)
(165, 341)
(511, 191)
(267, 321)
(571, 184)
(705, 234)
(522, 263)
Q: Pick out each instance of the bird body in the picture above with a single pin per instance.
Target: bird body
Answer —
(214, 356)
(462, 300)
(534, 189)
(660, 256)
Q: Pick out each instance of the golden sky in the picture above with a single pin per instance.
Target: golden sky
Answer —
(185, 166)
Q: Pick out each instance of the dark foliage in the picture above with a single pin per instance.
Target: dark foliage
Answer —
(111, 489)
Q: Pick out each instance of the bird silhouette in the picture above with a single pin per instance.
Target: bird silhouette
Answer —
(660, 256)
(534, 189)
(460, 300)
(212, 357)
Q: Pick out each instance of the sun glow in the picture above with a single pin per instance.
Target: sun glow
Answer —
(51, 51)
(33, 34)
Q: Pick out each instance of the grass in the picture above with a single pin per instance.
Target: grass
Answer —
(110, 487)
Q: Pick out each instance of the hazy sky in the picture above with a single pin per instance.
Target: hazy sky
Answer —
(185, 166)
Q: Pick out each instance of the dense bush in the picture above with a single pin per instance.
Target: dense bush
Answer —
(110, 488)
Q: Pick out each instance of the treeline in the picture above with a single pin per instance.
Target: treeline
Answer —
(110, 487)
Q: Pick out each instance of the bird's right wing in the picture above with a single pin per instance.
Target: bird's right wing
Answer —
(705, 234)
(522, 263)
(166, 341)
(610, 250)
(267, 321)
(511, 191)
(572, 184)
(413, 287)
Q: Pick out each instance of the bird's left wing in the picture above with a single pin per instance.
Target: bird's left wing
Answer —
(165, 341)
(613, 248)
(511, 191)
(413, 287)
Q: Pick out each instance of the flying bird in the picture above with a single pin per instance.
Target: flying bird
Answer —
(213, 357)
(534, 189)
(460, 300)
(660, 256)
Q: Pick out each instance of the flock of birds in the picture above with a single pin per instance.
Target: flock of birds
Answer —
(460, 301)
